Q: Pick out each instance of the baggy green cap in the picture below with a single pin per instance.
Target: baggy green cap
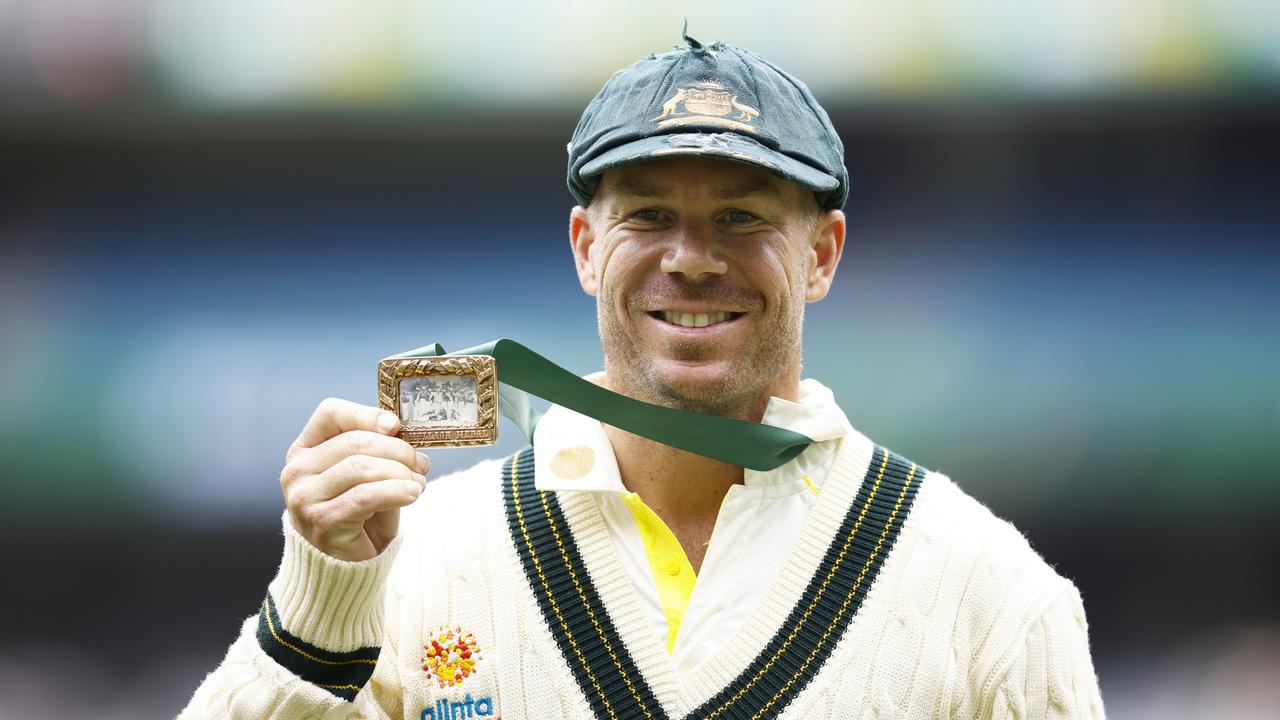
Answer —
(712, 100)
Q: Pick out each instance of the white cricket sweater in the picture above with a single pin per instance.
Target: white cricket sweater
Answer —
(726, 587)
(962, 620)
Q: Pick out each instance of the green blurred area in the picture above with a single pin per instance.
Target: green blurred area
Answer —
(428, 56)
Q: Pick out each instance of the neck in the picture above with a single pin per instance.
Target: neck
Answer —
(684, 489)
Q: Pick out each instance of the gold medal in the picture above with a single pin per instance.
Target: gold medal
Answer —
(448, 401)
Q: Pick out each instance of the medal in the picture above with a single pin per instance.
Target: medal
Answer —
(449, 401)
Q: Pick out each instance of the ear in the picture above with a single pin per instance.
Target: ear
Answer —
(581, 240)
(826, 246)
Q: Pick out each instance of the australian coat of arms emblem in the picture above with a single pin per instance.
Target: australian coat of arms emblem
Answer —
(707, 102)
(450, 656)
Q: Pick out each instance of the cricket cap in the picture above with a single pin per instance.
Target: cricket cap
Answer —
(712, 100)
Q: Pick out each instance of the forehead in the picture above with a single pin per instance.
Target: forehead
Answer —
(697, 178)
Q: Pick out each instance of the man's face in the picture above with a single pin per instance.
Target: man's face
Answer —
(701, 269)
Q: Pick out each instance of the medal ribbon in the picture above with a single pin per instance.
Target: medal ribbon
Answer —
(521, 370)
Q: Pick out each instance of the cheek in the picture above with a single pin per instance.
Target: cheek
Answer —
(775, 271)
(622, 266)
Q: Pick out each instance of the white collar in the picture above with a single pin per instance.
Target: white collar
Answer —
(572, 451)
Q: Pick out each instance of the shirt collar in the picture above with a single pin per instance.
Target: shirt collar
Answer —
(572, 452)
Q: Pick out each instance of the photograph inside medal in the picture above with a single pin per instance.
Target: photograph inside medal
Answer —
(1060, 286)
(438, 401)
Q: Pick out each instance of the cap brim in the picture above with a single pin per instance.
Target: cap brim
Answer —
(726, 146)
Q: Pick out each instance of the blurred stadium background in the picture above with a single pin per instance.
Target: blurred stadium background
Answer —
(1061, 287)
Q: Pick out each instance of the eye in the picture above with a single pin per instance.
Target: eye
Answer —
(739, 217)
(648, 215)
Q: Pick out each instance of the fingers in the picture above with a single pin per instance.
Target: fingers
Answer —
(362, 501)
(335, 416)
(346, 477)
(354, 442)
(342, 527)
(348, 473)
(342, 464)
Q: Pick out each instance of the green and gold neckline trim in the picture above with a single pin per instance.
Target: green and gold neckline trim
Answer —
(589, 640)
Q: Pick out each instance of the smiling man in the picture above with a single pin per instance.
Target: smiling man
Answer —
(702, 269)
(602, 574)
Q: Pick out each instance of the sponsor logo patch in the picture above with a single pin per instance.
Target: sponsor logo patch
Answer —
(459, 709)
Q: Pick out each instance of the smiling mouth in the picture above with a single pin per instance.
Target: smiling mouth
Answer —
(694, 320)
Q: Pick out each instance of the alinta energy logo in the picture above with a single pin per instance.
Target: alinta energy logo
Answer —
(464, 709)
(450, 656)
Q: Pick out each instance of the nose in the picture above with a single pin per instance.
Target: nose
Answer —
(694, 253)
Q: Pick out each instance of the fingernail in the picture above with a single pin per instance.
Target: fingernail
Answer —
(414, 488)
(420, 479)
(386, 421)
(424, 463)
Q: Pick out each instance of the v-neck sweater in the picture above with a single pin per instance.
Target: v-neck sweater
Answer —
(962, 620)
(757, 523)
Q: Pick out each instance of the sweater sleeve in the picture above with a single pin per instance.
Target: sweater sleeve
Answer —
(1051, 675)
(314, 649)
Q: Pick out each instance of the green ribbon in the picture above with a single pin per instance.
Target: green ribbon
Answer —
(521, 370)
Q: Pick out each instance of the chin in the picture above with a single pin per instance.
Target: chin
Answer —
(705, 380)
(702, 389)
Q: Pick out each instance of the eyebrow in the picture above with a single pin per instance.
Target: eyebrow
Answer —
(759, 187)
(753, 188)
(639, 188)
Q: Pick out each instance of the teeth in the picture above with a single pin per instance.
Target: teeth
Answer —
(694, 320)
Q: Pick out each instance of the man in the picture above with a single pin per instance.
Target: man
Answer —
(602, 574)
(419, 406)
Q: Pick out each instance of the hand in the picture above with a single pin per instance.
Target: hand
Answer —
(347, 476)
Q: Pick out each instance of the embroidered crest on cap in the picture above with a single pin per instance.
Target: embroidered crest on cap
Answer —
(450, 656)
(707, 102)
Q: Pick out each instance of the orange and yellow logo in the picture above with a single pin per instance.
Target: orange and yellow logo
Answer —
(450, 656)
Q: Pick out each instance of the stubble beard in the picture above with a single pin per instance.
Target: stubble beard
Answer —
(754, 375)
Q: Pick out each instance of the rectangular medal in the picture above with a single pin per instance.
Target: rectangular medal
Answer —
(445, 401)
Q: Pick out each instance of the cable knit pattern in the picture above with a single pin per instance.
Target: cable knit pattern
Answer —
(1044, 680)
(964, 620)
(332, 603)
